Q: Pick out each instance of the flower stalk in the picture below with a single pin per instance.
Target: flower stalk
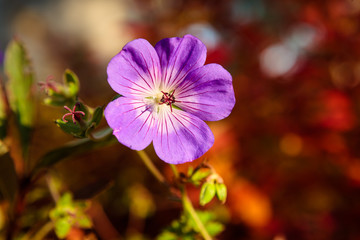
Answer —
(150, 165)
(186, 202)
(189, 208)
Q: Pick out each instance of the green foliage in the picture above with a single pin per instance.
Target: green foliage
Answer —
(213, 186)
(221, 191)
(198, 175)
(116, 97)
(72, 83)
(207, 193)
(65, 94)
(95, 120)
(82, 107)
(212, 183)
(20, 80)
(83, 127)
(71, 128)
(76, 147)
(68, 214)
(209, 220)
(186, 229)
(97, 116)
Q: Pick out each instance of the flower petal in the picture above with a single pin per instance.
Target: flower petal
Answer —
(181, 137)
(132, 121)
(178, 56)
(135, 70)
(207, 92)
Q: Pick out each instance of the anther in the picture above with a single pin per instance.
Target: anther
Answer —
(167, 99)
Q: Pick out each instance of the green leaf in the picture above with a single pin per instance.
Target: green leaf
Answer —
(214, 228)
(207, 193)
(186, 228)
(20, 80)
(20, 76)
(58, 101)
(74, 148)
(62, 227)
(63, 94)
(84, 221)
(116, 97)
(208, 219)
(72, 82)
(221, 191)
(97, 116)
(71, 128)
(190, 171)
(66, 200)
(198, 175)
(82, 107)
(56, 213)
(68, 213)
(167, 236)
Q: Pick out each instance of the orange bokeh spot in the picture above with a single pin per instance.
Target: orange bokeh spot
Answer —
(249, 204)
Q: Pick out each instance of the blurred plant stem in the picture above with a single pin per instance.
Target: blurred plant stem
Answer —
(152, 168)
(41, 234)
(104, 138)
(188, 207)
(52, 187)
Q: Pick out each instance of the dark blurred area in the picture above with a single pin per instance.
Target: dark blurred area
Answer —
(289, 152)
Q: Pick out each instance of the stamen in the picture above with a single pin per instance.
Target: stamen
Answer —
(167, 99)
(48, 84)
(75, 115)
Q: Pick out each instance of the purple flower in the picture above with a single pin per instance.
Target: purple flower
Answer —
(168, 93)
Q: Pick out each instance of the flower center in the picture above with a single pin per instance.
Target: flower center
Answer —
(168, 99)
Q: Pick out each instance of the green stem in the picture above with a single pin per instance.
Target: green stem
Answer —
(52, 187)
(188, 207)
(98, 137)
(150, 165)
(41, 234)
(175, 171)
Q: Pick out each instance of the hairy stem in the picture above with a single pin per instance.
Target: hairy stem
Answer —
(41, 234)
(152, 168)
(188, 207)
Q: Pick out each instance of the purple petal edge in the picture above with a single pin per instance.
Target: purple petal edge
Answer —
(207, 92)
(135, 70)
(181, 137)
(178, 56)
(132, 124)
